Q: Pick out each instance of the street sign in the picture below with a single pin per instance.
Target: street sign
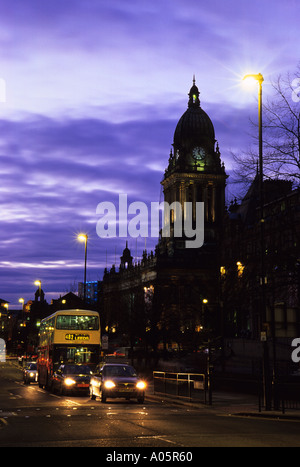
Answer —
(263, 336)
(105, 342)
(2, 350)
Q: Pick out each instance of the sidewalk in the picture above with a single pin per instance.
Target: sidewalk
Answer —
(225, 403)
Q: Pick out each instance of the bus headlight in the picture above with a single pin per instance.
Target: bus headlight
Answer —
(69, 382)
(109, 384)
(141, 385)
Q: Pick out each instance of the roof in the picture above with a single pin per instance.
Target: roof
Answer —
(194, 128)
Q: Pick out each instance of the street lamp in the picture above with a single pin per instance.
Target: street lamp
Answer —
(39, 284)
(21, 300)
(84, 238)
(259, 79)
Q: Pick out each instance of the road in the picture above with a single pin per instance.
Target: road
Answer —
(30, 416)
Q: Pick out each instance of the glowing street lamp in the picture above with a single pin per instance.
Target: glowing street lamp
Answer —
(23, 324)
(250, 79)
(267, 397)
(39, 284)
(84, 238)
(259, 79)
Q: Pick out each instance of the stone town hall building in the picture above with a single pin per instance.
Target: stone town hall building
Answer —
(172, 297)
(179, 297)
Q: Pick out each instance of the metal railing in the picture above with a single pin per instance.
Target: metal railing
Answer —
(191, 386)
(284, 396)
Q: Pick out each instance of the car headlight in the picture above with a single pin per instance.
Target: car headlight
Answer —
(69, 382)
(141, 385)
(31, 375)
(109, 384)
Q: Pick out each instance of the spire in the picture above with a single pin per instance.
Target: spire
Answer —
(126, 258)
(194, 95)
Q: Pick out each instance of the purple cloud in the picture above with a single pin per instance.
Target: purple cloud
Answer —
(94, 91)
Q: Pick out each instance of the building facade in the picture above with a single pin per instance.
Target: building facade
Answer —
(172, 297)
(242, 249)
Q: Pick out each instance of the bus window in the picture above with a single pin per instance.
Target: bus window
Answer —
(77, 322)
(64, 354)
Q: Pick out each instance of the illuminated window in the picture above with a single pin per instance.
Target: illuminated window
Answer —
(240, 268)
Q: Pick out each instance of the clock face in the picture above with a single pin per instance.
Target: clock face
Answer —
(198, 154)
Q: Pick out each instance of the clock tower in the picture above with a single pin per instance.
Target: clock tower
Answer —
(173, 296)
(187, 283)
(195, 172)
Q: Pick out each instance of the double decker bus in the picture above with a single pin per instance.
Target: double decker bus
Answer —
(68, 336)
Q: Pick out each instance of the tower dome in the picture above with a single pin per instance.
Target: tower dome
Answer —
(194, 140)
(194, 128)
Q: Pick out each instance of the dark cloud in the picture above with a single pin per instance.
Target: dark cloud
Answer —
(64, 168)
(94, 91)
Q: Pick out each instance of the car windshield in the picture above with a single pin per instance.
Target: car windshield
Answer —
(119, 370)
(76, 370)
(31, 366)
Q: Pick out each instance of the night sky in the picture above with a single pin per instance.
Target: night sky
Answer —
(90, 95)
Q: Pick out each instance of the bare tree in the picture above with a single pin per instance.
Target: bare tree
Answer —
(281, 134)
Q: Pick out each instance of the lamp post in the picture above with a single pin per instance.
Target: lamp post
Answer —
(84, 238)
(266, 377)
(259, 78)
(21, 300)
(39, 283)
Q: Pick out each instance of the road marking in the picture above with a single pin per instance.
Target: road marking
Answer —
(161, 438)
(73, 402)
(169, 441)
(54, 395)
(2, 420)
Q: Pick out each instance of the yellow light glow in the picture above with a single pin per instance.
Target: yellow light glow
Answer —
(82, 237)
(141, 385)
(240, 268)
(249, 82)
(37, 283)
(205, 300)
(69, 382)
(109, 384)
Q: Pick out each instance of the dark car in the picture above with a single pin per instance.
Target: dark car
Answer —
(30, 374)
(117, 380)
(71, 378)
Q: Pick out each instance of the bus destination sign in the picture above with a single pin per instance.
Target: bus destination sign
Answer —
(77, 337)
